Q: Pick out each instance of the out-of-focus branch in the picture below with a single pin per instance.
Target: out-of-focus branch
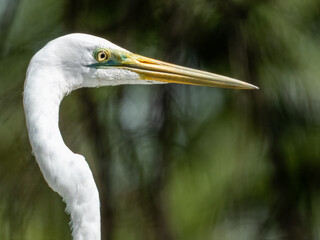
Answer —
(272, 124)
(6, 20)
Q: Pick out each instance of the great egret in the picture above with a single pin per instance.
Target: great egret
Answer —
(75, 61)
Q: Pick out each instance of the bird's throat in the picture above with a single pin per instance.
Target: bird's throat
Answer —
(65, 172)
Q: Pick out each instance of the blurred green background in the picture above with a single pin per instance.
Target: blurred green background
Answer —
(173, 161)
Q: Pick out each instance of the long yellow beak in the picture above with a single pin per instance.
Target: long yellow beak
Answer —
(155, 70)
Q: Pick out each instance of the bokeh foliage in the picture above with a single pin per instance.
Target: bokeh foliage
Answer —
(173, 161)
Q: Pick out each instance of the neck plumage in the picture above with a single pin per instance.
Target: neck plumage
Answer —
(65, 172)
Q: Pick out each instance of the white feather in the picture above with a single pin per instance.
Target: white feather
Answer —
(56, 70)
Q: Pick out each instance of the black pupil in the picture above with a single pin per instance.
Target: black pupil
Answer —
(102, 55)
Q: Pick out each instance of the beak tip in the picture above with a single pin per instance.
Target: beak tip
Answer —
(252, 86)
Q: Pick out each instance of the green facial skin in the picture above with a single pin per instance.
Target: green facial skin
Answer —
(114, 58)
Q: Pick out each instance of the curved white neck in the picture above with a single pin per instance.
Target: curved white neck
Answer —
(65, 172)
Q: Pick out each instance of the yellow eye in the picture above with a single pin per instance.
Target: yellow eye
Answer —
(102, 55)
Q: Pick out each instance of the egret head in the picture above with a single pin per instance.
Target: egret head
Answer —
(87, 61)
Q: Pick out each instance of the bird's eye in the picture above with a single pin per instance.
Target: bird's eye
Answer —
(102, 55)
